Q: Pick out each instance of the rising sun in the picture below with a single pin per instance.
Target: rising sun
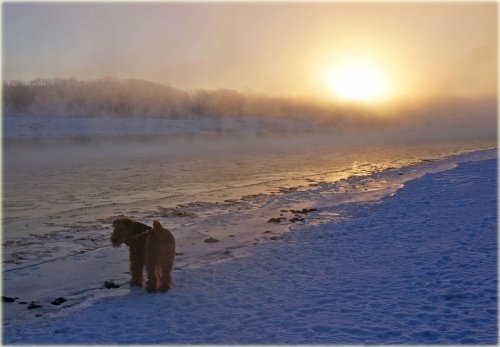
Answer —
(358, 80)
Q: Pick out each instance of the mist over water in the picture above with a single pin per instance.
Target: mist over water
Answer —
(75, 158)
(143, 104)
(49, 179)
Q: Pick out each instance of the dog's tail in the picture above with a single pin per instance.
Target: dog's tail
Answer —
(157, 225)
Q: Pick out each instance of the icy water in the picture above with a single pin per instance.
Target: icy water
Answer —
(71, 190)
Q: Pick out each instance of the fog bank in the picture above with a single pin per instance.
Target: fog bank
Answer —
(136, 100)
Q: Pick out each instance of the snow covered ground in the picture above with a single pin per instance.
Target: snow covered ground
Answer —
(416, 265)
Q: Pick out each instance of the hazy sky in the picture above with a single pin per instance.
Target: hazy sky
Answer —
(281, 48)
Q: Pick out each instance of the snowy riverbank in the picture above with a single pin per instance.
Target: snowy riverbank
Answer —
(416, 267)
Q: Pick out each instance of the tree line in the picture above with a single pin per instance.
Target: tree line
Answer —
(111, 96)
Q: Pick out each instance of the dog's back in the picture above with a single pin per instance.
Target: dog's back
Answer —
(163, 235)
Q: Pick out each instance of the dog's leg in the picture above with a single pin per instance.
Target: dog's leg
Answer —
(166, 273)
(151, 282)
(136, 266)
(158, 274)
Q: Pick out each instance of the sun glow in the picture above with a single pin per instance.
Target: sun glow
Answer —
(358, 80)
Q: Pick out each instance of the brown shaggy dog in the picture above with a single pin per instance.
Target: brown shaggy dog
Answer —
(153, 248)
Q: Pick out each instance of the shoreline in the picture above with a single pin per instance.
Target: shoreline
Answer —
(255, 224)
(342, 186)
(239, 292)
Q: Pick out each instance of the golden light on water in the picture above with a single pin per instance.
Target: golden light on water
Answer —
(358, 80)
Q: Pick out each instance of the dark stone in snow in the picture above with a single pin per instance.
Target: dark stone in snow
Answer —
(7, 299)
(58, 301)
(110, 284)
(33, 306)
(304, 210)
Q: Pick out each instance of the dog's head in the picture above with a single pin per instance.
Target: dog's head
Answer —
(122, 228)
